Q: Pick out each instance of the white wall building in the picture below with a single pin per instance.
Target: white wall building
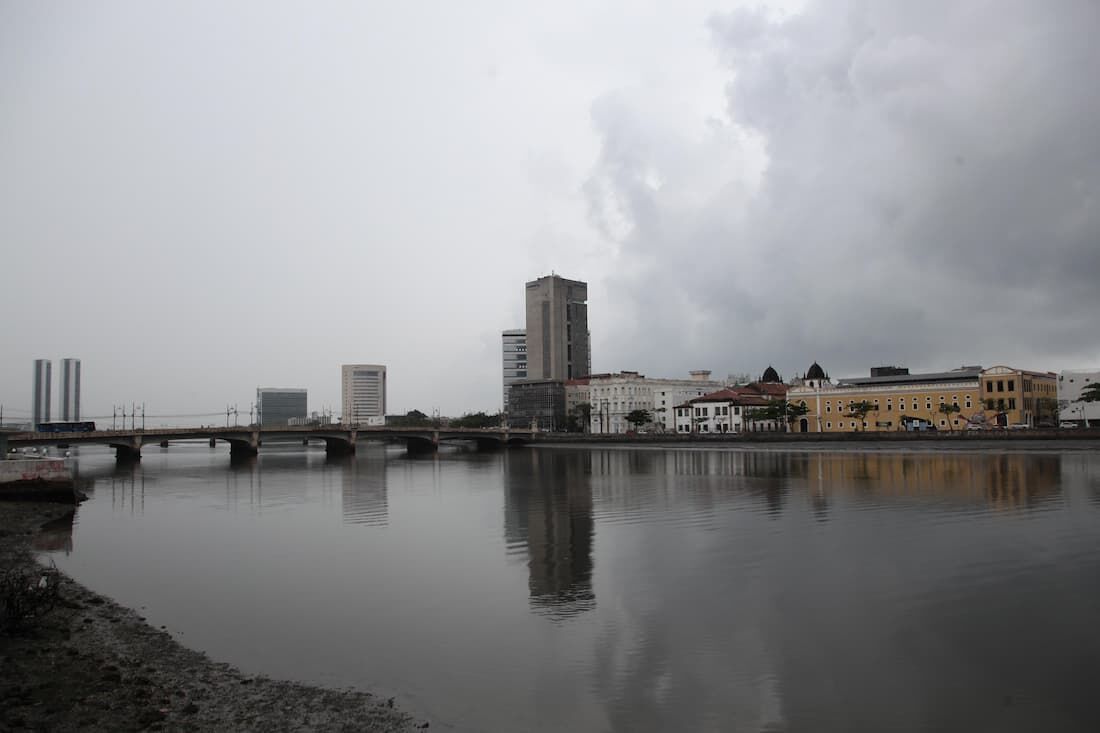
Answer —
(1070, 384)
(363, 394)
(722, 412)
(614, 396)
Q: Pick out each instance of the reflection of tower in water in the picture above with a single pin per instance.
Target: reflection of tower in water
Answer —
(363, 486)
(548, 512)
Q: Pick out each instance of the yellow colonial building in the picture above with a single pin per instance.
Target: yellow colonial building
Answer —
(899, 400)
(967, 397)
(1020, 397)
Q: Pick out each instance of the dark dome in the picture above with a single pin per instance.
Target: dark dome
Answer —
(770, 375)
(815, 372)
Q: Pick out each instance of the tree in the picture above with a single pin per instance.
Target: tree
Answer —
(411, 419)
(476, 420)
(859, 410)
(780, 411)
(1046, 407)
(579, 418)
(1091, 393)
(948, 410)
(638, 418)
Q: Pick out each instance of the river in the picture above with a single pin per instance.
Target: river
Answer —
(621, 589)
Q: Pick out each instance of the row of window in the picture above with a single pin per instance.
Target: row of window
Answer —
(841, 406)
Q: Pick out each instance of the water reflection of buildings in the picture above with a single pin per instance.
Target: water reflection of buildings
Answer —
(701, 479)
(1003, 480)
(363, 486)
(548, 513)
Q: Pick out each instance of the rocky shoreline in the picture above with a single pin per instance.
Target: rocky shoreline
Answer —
(91, 664)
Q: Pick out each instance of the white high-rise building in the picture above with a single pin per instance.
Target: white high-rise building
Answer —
(514, 358)
(70, 390)
(363, 394)
(43, 378)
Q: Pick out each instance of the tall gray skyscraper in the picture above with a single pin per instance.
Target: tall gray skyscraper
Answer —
(70, 389)
(557, 329)
(514, 357)
(43, 377)
(276, 406)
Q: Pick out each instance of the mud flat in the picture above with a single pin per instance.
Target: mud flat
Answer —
(91, 664)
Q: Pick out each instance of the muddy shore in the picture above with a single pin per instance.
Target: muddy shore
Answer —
(91, 664)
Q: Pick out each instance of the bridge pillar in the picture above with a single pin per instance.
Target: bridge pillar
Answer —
(422, 445)
(242, 448)
(339, 447)
(127, 453)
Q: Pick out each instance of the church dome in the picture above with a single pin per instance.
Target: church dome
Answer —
(815, 372)
(770, 375)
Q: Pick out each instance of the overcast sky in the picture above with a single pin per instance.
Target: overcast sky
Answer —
(197, 199)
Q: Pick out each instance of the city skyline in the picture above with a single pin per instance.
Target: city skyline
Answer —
(739, 185)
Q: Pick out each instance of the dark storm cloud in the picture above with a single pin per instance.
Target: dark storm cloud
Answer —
(930, 194)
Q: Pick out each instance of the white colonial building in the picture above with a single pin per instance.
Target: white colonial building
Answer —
(724, 411)
(614, 396)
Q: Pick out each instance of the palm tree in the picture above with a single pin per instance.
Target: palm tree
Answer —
(1090, 393)
(947, 410)
(859, 410)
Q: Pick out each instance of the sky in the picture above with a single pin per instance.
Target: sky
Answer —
(202, 198)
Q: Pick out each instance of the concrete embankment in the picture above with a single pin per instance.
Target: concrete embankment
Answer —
(37, 479)
(959, 437)
(91, 664)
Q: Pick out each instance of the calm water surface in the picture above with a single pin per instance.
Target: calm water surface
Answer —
(558, 589)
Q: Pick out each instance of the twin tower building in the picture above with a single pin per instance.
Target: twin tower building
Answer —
(556, 344)
(70, 390)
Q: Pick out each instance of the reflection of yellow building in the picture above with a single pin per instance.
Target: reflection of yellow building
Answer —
(1020, 397)
(895, 396)
(1003, 480)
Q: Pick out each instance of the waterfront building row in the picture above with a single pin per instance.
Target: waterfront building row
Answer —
(966, 397)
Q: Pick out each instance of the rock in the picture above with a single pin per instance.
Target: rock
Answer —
(149, 717)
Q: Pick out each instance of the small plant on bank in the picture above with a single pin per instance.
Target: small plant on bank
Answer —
(26, 595)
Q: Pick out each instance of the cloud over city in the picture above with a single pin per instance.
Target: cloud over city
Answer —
(891, 183)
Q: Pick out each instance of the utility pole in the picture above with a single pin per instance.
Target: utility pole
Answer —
(143, 416)
(227, 415)
(133, 416)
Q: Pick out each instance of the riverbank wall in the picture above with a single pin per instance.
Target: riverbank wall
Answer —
(954, 438)
(37, 479)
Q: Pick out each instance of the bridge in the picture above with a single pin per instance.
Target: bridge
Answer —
(339, 439)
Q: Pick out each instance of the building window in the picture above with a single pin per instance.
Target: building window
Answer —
(1012, 403)
(989, 386)
(1011, 385)
(829, 425)
(828, 408)
(1000, 385)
